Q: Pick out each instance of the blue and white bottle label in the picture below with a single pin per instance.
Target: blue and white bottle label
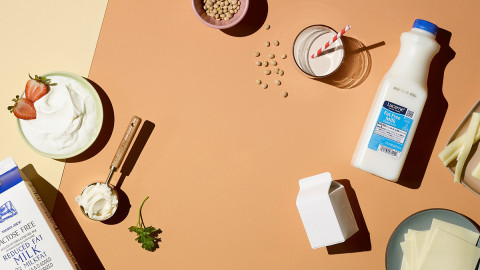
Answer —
(391, 129)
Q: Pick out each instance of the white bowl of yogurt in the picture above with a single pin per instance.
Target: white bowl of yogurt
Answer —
(69, 117)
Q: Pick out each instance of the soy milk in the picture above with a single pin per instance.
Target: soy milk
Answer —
(397, 106)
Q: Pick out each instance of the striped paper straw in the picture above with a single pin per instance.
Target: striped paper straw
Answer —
(331, 41)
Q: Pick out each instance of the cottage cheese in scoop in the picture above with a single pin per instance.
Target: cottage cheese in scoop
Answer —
(66, 118)
(98, 201)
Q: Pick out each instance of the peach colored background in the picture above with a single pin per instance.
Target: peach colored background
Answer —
(223, 162)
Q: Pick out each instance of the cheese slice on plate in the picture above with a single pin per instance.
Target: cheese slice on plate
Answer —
(405, 261)
(409, 250)
(465, 234)
(446, 251)
(419, 239)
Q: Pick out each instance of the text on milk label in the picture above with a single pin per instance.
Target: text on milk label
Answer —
(391, 129)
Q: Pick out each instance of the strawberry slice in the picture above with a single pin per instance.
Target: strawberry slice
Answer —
(37, 87)
(23, 108)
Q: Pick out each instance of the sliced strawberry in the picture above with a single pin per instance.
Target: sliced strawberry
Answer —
(23, 108)
(37, 87)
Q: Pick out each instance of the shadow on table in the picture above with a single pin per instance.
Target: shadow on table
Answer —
(45, 190)
(127, 167)
(105, 132)
(432, 117)
(66, 222)
(360, 241)
(76, 239)
(254, 19)
(355, 67)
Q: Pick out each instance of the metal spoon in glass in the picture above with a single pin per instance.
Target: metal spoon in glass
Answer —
(99, 201)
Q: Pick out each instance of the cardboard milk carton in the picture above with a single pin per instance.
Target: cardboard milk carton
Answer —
(325, 211)
(29, 238)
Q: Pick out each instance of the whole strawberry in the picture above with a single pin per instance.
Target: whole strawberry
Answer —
(23, 108)
(37, 87)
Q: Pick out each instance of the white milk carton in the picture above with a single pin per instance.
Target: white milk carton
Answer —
(325, 211)
(29, 238)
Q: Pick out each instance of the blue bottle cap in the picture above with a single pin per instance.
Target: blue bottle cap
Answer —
(425, 25)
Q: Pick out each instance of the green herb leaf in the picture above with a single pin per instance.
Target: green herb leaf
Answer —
(147, 236)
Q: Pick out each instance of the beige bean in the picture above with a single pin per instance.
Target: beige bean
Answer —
(276, 43)
(274, 63)
(271, 56)
(265, 63)
(256, 54)
(267, 44)
(281, 72)
(285, 94)
(267, 26)
(277, 82)
(284, 56)
(258, 63)
(267, 72)
(259, 82)
(265, 86)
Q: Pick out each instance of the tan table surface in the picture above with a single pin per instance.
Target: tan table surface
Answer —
(221, 157)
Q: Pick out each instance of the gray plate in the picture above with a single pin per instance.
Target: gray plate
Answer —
(421, 221)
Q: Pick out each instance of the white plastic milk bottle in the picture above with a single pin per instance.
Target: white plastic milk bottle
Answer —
(398, 104)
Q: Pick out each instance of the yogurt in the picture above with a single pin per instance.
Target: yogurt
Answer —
(67, 118)
(98, 201)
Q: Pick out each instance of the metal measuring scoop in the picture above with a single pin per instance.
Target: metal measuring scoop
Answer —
(117, 161)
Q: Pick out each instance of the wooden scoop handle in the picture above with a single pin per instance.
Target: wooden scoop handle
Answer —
(125, 143)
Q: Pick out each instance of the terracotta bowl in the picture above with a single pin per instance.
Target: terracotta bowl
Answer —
(197, 6)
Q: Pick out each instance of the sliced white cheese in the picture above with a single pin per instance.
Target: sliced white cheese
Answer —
(448, 252)
(467, 145)
(409, 257)
(405, 262)
(405, 265)
(465, 234)
(418, 245)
